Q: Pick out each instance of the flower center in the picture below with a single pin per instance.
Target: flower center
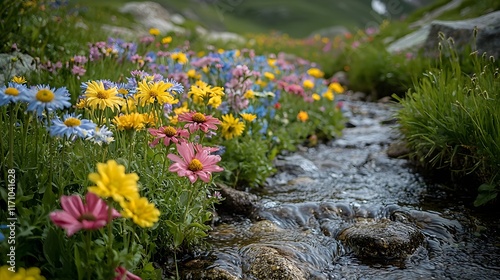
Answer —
(12, 91)
(153, 93)
(199, 118)
(87, 217)
(45, 95)
(71, 122)
(195, 165)
(102, 94)
(169, 131)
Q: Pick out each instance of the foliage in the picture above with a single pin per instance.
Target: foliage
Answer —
(450, 119)
(120, 100)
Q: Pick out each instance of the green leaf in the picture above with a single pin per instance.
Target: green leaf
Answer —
(486, 193)
(78, 262)
(52, 247)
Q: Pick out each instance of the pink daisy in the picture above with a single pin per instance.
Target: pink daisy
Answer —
(195, 162)
(168, 134)
(76, 216)
(199, 121)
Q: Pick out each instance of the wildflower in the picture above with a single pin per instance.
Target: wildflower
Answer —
(315, 72)
(336, 87)
(231, 126)
(129, 121)
(179, 57)
(154, 31)
(167, 134)
(215, 101)
(32, 273)
(178, 111)
(194, 163)
(302, 116)
(316, 96)
(198, 121)
(111, 181)
(129, 106)
(308, 84)
(149, 119)
(191, 73)
(98, 96)
(148, 92)
(124, 274)
(42, 97)
(143, 213)
(76, 215)
(269, 75)
(13, 92)
(329, 95)
(71, 125)
(81, 104)
(19, 80)
(249, 94)
(100, 136)
(248, 117)
(166, 40)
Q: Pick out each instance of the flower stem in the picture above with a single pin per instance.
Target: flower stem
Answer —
(11, 135)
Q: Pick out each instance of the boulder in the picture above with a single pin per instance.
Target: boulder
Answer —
(15, 64)
(237, 202)
(152, 15)
(462, 31)
(383, 240)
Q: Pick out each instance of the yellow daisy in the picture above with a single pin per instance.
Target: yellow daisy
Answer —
(111, 181)
(329, 95)
(336, 87)
(315, 72)
(143, 213)
(231, 127)
(99, 97)
(129, 121)
(248, 117)
(148, 92)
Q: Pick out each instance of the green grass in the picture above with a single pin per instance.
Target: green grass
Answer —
(450, 121)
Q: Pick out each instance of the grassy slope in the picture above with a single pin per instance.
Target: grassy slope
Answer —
(297, 18)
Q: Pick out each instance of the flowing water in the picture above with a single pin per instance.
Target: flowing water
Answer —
(319, 191)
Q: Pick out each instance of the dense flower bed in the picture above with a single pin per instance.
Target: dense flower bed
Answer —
(133, 160)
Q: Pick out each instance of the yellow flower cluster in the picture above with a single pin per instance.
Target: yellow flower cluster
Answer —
(112, 182)
(32, 273)
(202, 91)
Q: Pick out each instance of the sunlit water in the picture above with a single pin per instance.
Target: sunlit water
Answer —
(322, 190)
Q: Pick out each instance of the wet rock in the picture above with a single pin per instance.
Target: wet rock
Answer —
(237, 202)
(383, 240)
(264, 262)
(199, 269)
(398, 149)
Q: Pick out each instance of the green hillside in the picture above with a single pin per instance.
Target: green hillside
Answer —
(297, 18)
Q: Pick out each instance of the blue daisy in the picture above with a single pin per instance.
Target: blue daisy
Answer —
(13, 92)
(42, 97)
(71, 126)
(100, 136)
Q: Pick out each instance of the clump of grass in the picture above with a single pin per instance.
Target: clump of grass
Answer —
(450, 119)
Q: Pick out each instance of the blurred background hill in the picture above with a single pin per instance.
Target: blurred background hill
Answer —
(297, 18)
